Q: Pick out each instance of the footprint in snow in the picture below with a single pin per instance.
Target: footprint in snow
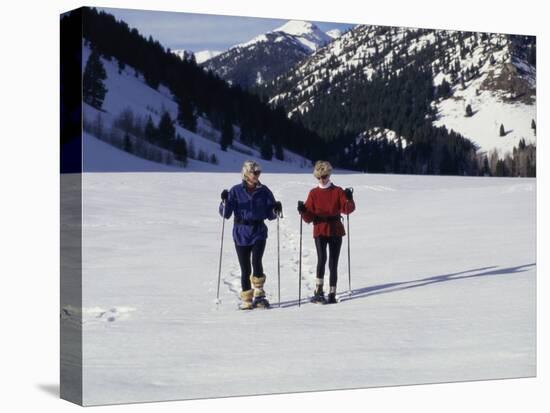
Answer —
(91, 315)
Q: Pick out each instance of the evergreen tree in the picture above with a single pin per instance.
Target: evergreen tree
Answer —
(93, 88)
(444, 89)
(166, 130)
(502, 132)
(266, 149)
(180, 149)
(279, 154)
(501, 168)
(128, 147)
(469, 112)
(125, 121)
(150, 130)
(227, 133)
(485, 169)
(191, 153)
(186, 115)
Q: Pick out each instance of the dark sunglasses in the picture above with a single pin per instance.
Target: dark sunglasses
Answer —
(257, 173)
(323, 177)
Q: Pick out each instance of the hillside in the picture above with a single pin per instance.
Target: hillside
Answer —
(128, 93)
(193, 102)
(434, 74)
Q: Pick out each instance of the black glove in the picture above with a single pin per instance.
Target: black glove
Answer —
(349, 194)
(225, 195)
(301, 207)
(278, 208)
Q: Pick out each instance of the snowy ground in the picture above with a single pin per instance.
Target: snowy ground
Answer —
(489, 113)
(443, 273)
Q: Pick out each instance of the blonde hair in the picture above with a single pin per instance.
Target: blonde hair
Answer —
(322, 168)
(249, 167)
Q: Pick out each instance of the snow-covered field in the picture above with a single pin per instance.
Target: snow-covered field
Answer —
(443, 273)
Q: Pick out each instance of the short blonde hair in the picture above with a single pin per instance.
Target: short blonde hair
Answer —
(322, 168)
(249, 167)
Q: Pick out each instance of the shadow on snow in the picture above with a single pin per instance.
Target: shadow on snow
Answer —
(422, 282)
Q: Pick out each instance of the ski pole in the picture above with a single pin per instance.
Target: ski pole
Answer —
(300, 266)
(349, 260)
(220, 261)
(349, 256)
(278, 262)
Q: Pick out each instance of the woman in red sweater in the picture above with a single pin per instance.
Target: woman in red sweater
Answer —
(323, 207)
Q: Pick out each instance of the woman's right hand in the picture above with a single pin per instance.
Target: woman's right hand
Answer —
(225, 195)
(301, 207)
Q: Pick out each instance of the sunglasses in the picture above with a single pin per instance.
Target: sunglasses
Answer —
(256, 173)
(323, 177)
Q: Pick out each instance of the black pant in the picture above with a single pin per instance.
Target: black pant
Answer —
(244, 253)
(334, 245)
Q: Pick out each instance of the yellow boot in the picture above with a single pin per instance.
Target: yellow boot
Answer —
(246, 300)
(259, 294)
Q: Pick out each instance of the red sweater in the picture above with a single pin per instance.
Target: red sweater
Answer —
(324, 203)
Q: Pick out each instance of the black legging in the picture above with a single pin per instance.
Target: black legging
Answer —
(334, 245)
(244, 252)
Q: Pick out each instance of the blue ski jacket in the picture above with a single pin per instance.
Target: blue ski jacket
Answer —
(249, 211)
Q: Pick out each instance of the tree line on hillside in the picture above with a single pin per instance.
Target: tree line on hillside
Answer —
(397, 96)
(141, 136)
(401, 103)
(396, 100)
(200, 93)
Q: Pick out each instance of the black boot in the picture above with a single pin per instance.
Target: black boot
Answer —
(319, 296)
(332, 296)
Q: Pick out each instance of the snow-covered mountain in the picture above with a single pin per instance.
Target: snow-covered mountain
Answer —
(200, 56)
(307, 33)
(335, 33)
(268, 55)
(493, 73)
(184, 54)
(203, 55)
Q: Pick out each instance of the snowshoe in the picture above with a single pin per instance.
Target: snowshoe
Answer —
(331, 298)
(319, 294)
(319, 298)
(260, 302)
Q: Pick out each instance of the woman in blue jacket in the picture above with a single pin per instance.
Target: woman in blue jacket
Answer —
(251, 203)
